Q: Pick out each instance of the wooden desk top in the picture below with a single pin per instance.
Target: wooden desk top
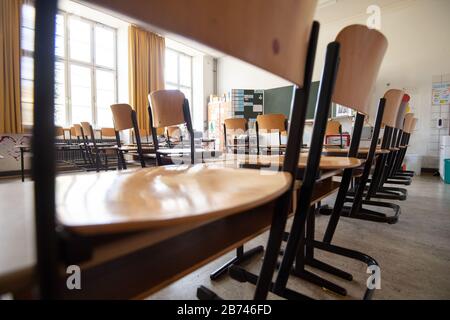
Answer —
(360, 151)
(181, 150)
(326, 163)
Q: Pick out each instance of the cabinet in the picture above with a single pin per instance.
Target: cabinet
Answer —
(218, 112)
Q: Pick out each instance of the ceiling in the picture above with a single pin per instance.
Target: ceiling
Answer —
(334, 10)
(328, 11)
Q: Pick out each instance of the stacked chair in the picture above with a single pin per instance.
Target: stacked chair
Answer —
(300, 36)
(98, 153)
(266, 125)
(236, 136)
(125, 119)
(389, 107)
(170, 109)
(351, 68)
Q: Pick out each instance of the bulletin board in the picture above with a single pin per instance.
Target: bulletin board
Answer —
(247, 104)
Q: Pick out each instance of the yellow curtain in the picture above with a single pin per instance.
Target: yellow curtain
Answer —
(10, 113)
(146, 70)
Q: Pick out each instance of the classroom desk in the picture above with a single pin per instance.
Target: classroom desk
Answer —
(167, 219)
(344, 152)
(25, 148)
(327, 163)
(165, 212)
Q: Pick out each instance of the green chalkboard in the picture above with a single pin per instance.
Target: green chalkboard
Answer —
(312, 100)
(279, 100)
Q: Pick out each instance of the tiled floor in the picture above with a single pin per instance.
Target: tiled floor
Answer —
(414, 254)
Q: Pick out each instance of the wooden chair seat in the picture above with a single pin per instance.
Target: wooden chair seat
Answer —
(114, 202)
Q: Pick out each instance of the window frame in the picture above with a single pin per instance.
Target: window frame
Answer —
(178, 84)
(67, 61)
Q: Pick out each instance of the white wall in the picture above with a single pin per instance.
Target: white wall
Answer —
(236, 74)
(419, 48)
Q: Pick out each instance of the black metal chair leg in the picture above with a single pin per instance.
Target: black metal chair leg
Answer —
(330, 269)
(318, 281)
(204, 293)
(352, 254)
(240, 274)
(22, 167)
(241, 256)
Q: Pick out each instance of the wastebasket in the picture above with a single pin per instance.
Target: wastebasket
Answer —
(447, 171)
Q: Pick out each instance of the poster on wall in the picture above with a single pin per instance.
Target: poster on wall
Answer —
(247, 104)
(441, 93)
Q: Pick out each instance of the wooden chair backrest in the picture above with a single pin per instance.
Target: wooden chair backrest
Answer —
(108, 132)
(167, 108)
(77, 131)
(333, 127)
(402, 111)
(236, 124)
(73, 132)
(59, 132)
(276, 33)
(413, 125)
(272, 122)
(174, 132)
(408, 126)
(122, 116)
(394, 99)
(87, 130)
(361, 53)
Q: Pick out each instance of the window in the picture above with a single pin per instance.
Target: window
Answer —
(178, 72)
(85, 69)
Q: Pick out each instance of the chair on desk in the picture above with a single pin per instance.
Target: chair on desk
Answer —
(235, 133)
(386, 109)
(361, 49)
(108, 134)
(408, 129)
(125, 119)
(334, 128)
(360, 53)
(169, 108)
(266, 125)
(380, 176)
(77, 132)
(291, 27)
(405, 124)
(98, 152)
